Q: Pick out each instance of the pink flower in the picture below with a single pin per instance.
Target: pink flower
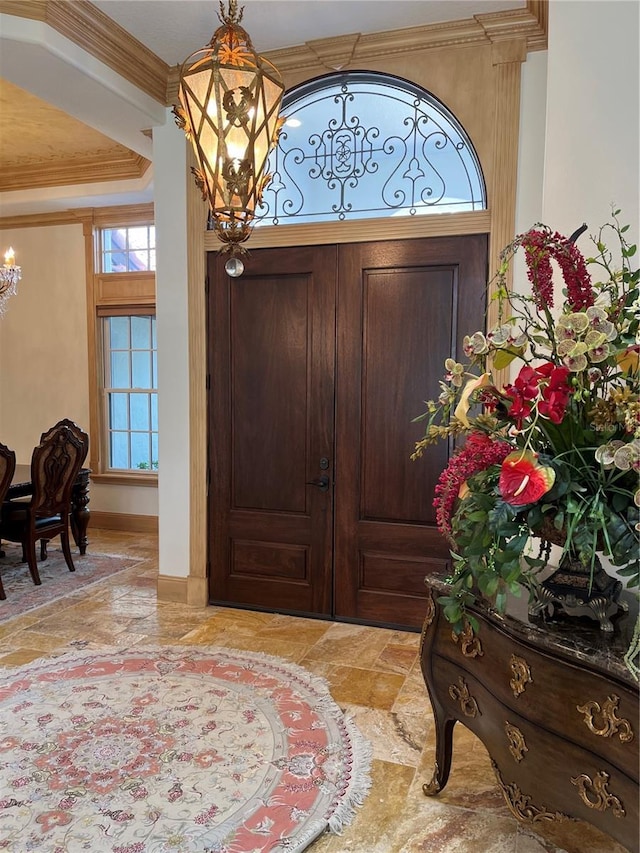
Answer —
(49, 820)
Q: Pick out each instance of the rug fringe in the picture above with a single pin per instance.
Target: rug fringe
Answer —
(360, 784)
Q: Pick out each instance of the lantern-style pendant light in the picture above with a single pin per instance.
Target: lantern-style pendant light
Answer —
(230, 99)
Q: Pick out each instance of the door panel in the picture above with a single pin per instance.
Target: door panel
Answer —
(361, 331)
(271, 356)
(400, 306)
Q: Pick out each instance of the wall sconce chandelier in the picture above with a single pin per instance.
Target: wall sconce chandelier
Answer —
(10, 275)
(230, 99)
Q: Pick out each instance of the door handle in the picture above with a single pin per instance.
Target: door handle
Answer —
(321, 483)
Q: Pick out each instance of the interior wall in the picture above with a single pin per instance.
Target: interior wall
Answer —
(43, 343)
(44, 370)
(592, 148)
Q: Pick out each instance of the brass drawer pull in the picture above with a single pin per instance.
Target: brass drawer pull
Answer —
(521, 675)
(461, 694)
(470, 645)
(597, 787)
(517, 745)
(608, 724)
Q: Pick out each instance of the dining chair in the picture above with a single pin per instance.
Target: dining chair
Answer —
(7, 467)
(76, 430)
(55, 463)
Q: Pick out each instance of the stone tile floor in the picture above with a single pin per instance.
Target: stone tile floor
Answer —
(373, 674)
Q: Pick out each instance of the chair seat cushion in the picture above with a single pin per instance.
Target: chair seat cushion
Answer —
(14, 514)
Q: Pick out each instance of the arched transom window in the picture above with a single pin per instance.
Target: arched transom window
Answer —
(364, 144)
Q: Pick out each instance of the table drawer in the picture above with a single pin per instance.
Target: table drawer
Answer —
(543, 776)
(561, 696)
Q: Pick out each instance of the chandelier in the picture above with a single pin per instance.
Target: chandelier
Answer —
(10, 275)
(229, 103)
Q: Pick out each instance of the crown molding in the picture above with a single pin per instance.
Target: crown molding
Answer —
(528, 24)
(91, 169)
(88, 27)
(100, 217)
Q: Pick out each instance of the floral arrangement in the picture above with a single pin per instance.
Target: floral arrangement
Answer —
(553, 454)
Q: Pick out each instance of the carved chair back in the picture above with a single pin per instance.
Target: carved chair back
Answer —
(55, 463)
(7, 467)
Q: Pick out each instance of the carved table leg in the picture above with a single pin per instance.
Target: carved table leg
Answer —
(444, 752)
(80, 513)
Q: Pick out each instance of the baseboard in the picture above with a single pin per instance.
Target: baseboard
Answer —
(124, 521)
(172, 589)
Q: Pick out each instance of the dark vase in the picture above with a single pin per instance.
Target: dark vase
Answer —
(579, 590)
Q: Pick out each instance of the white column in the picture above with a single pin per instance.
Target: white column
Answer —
(170, 196)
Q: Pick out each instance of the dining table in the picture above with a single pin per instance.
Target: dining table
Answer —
(21, 486)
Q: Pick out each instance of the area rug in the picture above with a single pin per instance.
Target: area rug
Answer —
(173, 750)
(57, 581)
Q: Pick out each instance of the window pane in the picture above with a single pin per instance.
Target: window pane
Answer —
(140, 451)
(119, 330)
(120, 370)
(154, 411)
(140, 414)
(138, 237)
(140, 332)
(141, 363)
(119, 449)
(154, 451)
(119, 411)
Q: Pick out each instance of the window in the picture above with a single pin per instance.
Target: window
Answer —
(128, 249)
(363, 144)
(120, 246)
(131, 391)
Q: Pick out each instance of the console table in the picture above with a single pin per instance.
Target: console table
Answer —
(553, 704)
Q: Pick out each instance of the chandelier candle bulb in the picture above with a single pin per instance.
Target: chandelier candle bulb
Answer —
(10, 275)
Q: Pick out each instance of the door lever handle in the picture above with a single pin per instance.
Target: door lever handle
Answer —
(321, 483)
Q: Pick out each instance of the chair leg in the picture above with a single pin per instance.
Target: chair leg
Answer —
(43, 549)
(29, 550)
(66, 550)
(2, 593)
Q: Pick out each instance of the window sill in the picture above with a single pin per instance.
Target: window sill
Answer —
(124, 479)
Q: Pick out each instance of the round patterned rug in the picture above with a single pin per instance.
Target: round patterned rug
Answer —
(173, 750)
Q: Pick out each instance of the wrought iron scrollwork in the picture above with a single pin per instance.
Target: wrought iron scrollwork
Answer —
(364, 144)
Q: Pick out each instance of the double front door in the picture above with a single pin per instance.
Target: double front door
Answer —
(319, 359)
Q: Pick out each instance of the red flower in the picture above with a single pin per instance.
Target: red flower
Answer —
(539, 270)
(523, 480)
(539, 248)
(478, 454)
(555, 395)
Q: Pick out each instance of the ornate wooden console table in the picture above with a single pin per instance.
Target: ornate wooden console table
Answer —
(553, 704)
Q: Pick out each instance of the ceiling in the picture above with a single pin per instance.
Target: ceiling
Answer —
(67, 142)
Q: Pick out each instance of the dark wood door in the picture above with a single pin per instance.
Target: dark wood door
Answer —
(271, 430)
(403, 308)
(320, 357)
